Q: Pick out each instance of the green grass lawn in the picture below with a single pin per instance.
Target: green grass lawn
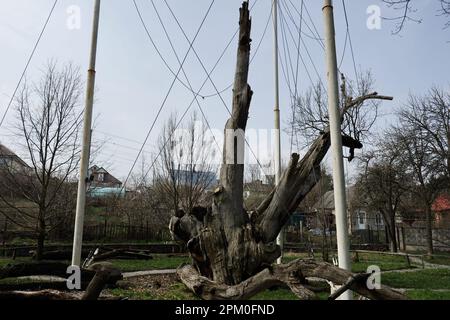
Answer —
(443, 260)
(178, 291)
(158, 262)
(428, 295)
(6, 261)
(385, 262)
(420, 279)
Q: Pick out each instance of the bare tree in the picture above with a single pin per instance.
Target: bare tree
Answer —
(145, 205)
(314, 202)
(382, 185)
(232, 249)
(430, 115)
(428, 182)
(48, 125)
(185, 168)
(310, 113)
(423, 136)
(407, 11)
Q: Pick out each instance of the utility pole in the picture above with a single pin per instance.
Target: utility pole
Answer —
(86, 144)
(340, 204)
(277, 162)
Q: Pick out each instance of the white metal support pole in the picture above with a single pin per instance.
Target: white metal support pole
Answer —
(277, 158)
(86, 144)
(336, 144)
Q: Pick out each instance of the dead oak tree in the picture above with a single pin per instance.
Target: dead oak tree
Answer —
(233, 250)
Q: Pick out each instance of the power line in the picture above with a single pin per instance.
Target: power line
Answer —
(212, 82)
(197, 93)
(297, 72)
(208, 74)
(184, 72)
(28, 62)
(253, 55)
(309, 55)
(172, 84)
(344, 50)
(298, 49)
(118, 137)
(293, 96)
(316, 33)
(203, 96)
(284, 63)
(351, 43)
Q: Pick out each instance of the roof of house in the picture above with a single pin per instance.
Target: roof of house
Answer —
(327, 200)
(6, 152)
(442, 203)
(109, 178)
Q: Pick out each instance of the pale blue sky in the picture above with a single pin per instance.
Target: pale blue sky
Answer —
(132, 80)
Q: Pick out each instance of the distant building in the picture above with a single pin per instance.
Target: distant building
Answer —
(185, 177)
(441, 208)
(359, 219)
(103, 184)
(255, 192)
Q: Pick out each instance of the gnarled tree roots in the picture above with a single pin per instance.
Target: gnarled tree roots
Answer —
(294, 275)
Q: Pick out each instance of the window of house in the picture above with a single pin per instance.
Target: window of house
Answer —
(101, 177)
(378, 219)
(361, 218)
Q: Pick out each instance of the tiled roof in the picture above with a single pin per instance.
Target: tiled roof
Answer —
(4, 151)
(442, 203)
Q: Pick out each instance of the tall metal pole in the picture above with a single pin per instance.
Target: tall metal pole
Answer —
(86, 144)
(336, 144)
(277, 158)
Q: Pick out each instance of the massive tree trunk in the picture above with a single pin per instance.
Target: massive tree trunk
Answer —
(233, 250)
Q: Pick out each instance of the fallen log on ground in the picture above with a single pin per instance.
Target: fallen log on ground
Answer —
(48, 268)
(36, 295)
(104, 274)
(33, 285)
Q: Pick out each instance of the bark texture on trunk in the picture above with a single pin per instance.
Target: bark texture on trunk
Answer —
(233, 250)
